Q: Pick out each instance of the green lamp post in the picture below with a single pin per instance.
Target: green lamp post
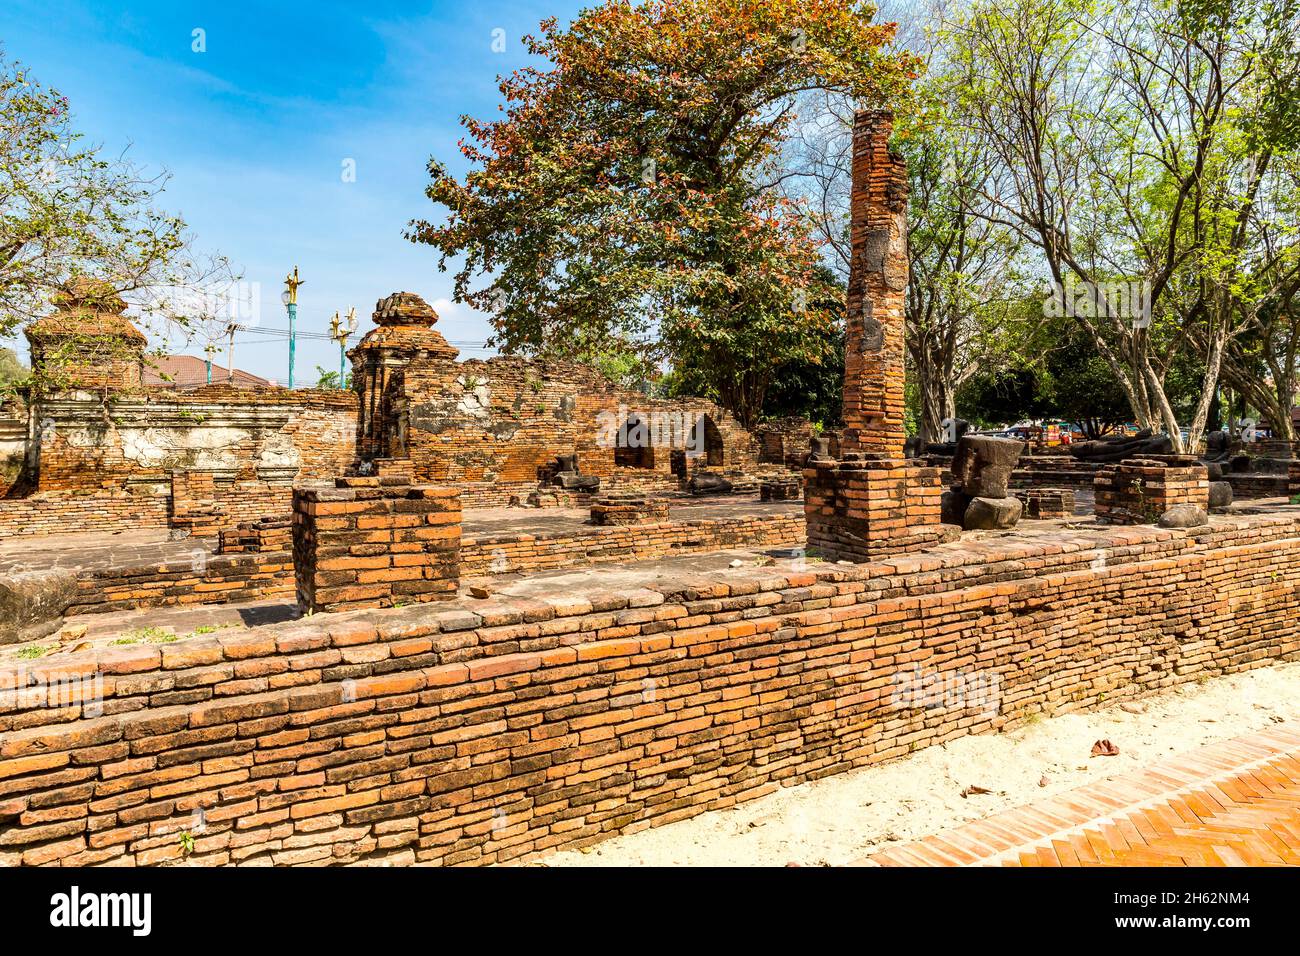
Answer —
(290, 299)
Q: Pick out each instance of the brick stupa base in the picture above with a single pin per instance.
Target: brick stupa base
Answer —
(628, 509)
(1140, 490)
(375, 542)
(861, 508)
(1047, 502)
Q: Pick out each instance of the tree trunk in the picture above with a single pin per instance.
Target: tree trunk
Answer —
(1208, 387)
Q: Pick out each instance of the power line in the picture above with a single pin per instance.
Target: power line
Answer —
(324, 336)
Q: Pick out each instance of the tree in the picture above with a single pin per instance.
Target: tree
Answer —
(1058, 375)
(811, 388)
(1242, 285)
(631, 190)
(70, 216)
(12, 370)
(965, 308)
(330, 379)
(1107, 120)
(1081, 388)
(965, 285)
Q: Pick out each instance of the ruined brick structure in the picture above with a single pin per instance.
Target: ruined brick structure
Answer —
(857, 510)
(13, 444)
(271, 533)
(1047, 502)
(1140, 490)
(495, 428)
(375, 542)
(784, 441)
(88, 343)
(134, 440)
(780, 489)
(628, 509)
(873, 501)
(403, 334)
(97, 449)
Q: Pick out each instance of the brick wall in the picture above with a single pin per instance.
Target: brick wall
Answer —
(61, 514)
(499, 729)
(500, 423)
(203, 579)
(13, 444)
(784, 441)
(1047, 502)
(111, 468)
(375, 542)
(255, 562)
(628, 509)
(138, 438)
(268, 533)
(508, 553)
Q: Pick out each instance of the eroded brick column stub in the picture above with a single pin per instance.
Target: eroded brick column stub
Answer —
(873, 366)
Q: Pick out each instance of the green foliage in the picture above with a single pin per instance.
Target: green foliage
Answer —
(330, 378)
(1084, 391)
(628, 193)
(811, 389)
(149, 635)
(966, 297)
(66, 210)
(1003, 398)
(12, 370)
(1132, 142)
(1066, 380)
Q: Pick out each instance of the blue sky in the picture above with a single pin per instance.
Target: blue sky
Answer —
(256, 129)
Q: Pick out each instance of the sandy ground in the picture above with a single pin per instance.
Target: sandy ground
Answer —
(843, 818)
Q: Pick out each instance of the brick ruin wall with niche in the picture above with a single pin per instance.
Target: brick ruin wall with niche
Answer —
(107, 466)
(492, 428)
(402, 735)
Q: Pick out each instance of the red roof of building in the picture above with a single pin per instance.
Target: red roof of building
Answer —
(190, 371)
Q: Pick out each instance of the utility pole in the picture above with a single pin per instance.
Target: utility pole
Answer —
(231, 329)
(339, 332)
(290, 299)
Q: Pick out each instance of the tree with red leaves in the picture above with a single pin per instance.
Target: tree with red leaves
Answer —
(630, 192)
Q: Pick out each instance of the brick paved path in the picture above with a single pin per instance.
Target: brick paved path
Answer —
(1235, 803)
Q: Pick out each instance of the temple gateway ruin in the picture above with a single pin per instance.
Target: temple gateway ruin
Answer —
(482, 610)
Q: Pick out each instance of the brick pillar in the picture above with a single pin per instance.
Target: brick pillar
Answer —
(375, 542)
(193, 505)
(873, 361)
(872, 501)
